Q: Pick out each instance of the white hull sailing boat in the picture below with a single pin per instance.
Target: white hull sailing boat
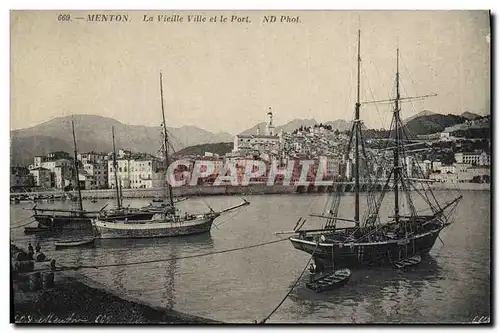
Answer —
(166, 223)
(376, 240)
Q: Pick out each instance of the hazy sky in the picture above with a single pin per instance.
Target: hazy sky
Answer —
(224, 76)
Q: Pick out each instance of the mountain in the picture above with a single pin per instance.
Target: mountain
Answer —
(470, 115)
(420, 114)
(93, 133)
(295, 124)
(340, 124)
(253, 130)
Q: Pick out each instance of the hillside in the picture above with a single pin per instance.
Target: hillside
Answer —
(433, 123)
(94, 133)
(470, 115)
(22, 150)
(420, 114)
(220, 148)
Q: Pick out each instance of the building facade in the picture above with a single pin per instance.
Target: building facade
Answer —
(42, 177)
(474, 158)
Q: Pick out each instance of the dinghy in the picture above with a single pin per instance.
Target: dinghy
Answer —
(410, 261)
(74, 243)
(331, 281)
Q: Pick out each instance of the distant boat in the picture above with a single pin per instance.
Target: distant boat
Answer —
(164, 222)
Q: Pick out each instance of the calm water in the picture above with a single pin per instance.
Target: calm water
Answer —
(453, 285)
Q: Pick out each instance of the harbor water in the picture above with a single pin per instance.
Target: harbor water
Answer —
(451, 285)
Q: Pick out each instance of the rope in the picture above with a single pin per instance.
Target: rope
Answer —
(22, 225)
(263, 321)
(170, 259)
(229, 218)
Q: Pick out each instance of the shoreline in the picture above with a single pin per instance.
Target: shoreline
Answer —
(75, 298)
(258, 189)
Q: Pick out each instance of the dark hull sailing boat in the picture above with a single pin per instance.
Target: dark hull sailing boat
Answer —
(59, 218)
(375, 240)
(121, 212)
(166, 222)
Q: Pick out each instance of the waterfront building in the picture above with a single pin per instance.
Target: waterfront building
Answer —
(92, 157)
(137, 171)
(122, 172)
(59, 164)
(42, 177)
(98, 171)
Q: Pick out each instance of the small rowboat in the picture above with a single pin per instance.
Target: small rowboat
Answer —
(74, 243)
(332, 281)
(410, 261)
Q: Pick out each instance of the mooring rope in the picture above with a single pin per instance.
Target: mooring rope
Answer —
(22, 225)
(263, 321)
(74, 268)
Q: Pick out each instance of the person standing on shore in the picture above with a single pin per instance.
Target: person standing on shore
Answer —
(38, 247)
(30, 251)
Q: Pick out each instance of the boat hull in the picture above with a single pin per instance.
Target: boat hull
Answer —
(152, 229)
(357, 255)
(62, 221)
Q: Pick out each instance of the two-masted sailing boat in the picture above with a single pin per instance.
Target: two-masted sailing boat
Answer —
(165, 223)
(375, 240)
(58, 218)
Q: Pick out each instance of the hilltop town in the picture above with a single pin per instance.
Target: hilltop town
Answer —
(458, 153)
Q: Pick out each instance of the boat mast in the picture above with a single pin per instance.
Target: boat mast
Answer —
(115, 166)
(165, 142)
(397, 167)
(357, 130)
(76, 170)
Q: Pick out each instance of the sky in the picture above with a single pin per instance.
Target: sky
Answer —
(225, 76)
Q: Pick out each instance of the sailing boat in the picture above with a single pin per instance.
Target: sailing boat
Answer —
(58, 218)
(376, 241)
(121, 212)
(166, 223)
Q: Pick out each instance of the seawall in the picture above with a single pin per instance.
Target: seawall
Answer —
(259, 189)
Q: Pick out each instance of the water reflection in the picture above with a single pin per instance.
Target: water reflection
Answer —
(203, 241)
